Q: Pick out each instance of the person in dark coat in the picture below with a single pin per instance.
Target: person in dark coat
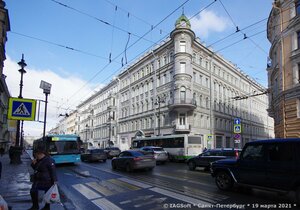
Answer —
(0, 169)
(44, 177)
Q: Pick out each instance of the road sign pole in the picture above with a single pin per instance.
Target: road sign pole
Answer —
(45, 115)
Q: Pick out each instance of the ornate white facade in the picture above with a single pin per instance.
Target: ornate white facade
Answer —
(179, 87)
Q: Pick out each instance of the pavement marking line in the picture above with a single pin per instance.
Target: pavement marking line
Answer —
(178, 196)
(139, 184)
(103, 190)
(88, 193)
(212, 196)
(123, 184)
(103, 203)
(176, 177)
(139, 198)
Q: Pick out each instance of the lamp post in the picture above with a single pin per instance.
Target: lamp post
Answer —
(16, 151)
(109, 128)
(86, 131)
(158, 101)
(19, 139)
(46, 89)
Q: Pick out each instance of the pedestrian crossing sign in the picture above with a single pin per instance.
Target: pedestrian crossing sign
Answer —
(21, 109)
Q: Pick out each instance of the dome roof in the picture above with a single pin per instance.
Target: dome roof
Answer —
(183, 22)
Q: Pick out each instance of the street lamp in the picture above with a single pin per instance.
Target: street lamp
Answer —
(158, 101)
(16, 151)
(46, 89)
(19, 139)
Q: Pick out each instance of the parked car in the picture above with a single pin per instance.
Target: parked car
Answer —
(160, 155)
(94, 155)
(266, 164)
(133, 159)
(211, 155)
(112, 151)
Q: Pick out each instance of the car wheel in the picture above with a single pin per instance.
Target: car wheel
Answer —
(113, 165)
(192, 165)
(128, 167)
(224, 181)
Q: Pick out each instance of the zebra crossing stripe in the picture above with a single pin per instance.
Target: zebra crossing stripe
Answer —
(103, 203)
(86, 192)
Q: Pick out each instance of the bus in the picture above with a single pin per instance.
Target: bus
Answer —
(179, 147)
(62, 148)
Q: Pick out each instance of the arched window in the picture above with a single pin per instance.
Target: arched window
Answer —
(182, 95)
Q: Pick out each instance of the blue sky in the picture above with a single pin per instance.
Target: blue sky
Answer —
(80, 24)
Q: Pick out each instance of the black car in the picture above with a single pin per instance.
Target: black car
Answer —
(266, 164)
(112, 151)
(211, 155)
(133, 159)
(94, 155)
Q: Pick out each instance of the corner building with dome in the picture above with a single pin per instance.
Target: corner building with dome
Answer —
(180, 88)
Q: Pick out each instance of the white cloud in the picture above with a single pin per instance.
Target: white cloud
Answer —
(62, 89)
(207, 22)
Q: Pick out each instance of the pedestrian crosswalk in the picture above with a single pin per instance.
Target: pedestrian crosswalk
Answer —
(100, 193)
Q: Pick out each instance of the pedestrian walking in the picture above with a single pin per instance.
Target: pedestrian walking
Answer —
(43, 178)
(1, 151)
(0, 169)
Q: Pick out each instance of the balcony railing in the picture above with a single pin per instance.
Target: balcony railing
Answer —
(183, 128)
(188, 103)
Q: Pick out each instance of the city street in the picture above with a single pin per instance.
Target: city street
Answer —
(169, 186)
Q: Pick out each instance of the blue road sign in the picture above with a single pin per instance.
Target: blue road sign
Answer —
(237, 129)
(21, 109)
(237, 121)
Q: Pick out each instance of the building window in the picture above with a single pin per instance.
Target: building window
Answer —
(182, 119)
(298, 39)
(182, 67)
(182, 95)
(194, 76)
(297, 6)
(182, 46)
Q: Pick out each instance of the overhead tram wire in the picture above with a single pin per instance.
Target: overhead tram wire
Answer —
(99, 20)
(214, 43)
(179, 61)
(209, 45)
(126, 11)
(157, 42)
(103, 68)
(238, 30)
(59, 45)
(165, 37)
(220, 40)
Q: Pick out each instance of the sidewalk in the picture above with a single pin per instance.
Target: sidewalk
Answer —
(15, 184)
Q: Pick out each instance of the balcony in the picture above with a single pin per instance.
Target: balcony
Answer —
(182, 104)
(182, 128)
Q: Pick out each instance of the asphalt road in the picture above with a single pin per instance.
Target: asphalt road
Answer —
(170, 186)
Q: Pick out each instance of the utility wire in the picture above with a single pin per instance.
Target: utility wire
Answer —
(102, 69)
(99, 20)
(58, 45)
(126, 11)
(238, 30)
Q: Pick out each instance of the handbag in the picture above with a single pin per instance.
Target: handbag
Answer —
(52, 195)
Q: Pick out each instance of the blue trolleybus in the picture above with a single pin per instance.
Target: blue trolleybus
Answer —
(62, 148)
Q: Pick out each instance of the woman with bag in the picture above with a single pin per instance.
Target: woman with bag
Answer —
(43, 178)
